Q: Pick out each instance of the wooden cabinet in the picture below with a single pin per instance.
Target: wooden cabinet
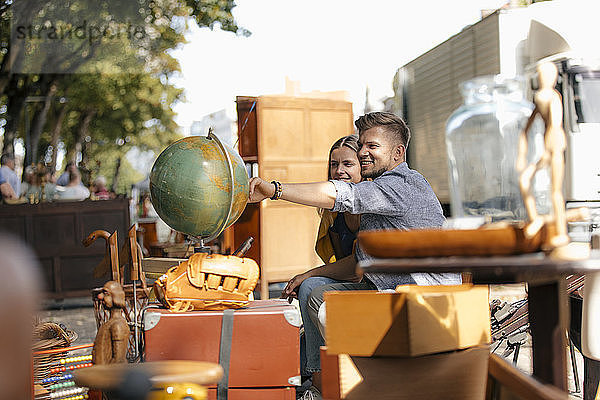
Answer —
(55, 232)
(289, 138)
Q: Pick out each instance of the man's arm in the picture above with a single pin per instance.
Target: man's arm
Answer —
(7, 191)
(343, 269)
(367, 197)
(317, 194)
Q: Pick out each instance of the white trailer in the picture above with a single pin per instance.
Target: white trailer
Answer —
(510, 42)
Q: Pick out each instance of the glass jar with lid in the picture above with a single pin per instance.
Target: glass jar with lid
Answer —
(482, 138)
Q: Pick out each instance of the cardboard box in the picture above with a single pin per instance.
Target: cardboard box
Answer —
(414, 321)
(454, 375)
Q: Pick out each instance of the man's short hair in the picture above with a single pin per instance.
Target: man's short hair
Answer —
(6, 158)
(393, 124)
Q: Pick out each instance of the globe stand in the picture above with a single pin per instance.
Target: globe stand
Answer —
(199, 246)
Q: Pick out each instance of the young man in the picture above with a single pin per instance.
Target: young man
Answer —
(396, 198)
(9, 182)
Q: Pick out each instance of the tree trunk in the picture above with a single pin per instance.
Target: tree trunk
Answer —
(58, 121)
(115, 181)
(15, 104)
(82, 131)
(5, 76)
(38, 122)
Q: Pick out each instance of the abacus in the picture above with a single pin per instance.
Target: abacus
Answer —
(59, 382)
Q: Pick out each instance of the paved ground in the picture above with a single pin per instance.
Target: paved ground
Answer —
(516, 292)
(78, 315)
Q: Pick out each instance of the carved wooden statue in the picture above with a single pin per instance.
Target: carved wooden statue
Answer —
(112, 338)
(548, 105)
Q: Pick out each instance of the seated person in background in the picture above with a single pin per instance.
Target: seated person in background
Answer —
(27, 179)
(335, 240)
(39, 183)
(10, 184)
(50, 178)
(100, 190)
(74, 189)
(63, 179)
(396, 198)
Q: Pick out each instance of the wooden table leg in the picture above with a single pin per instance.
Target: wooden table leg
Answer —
(548, 320)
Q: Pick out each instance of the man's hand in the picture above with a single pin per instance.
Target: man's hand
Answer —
(291, 289)
(260, 190)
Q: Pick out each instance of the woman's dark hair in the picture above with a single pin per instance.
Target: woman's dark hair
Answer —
(350, 141)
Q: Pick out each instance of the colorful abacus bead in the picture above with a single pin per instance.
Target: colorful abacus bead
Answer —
(61, 385)
(67, 392)
(80, 397)
(70, 360)
(57, 378)
(70, 367)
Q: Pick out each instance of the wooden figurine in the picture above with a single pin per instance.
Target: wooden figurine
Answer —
(548, 105)
(111, 342)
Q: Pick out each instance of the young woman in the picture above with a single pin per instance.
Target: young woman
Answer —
(335, 240)
(337, 232)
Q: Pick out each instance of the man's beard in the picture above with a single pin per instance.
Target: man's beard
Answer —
(373, 174)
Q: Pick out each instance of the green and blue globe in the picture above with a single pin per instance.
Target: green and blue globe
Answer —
(192, 189)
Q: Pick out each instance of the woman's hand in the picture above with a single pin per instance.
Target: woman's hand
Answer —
(291, 289)
(260, 190)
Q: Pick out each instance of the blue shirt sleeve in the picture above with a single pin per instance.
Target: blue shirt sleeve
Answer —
(3, 178)
(370, 197)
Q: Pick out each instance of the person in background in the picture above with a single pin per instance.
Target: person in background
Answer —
(99, 189)
(74, 189)
(63, 179)
(10, 184)
(40, 188)
(50, 178)
(28, 176)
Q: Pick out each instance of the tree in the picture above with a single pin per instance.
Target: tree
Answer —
(117, 95)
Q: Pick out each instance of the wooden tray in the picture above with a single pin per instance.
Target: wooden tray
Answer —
(484, 241)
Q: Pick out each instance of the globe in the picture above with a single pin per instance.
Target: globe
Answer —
(199, 186)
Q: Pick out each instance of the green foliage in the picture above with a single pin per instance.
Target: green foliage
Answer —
(212, 12)
(121, 95)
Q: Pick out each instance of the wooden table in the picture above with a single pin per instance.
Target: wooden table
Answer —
(548, 301)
